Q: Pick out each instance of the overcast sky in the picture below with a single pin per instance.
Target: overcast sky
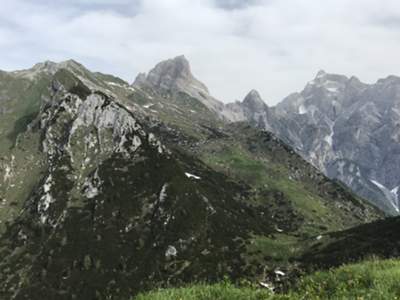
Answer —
(274, 46)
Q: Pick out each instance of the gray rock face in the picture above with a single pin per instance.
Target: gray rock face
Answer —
(348, 129)
(253, 108)
(174, 75)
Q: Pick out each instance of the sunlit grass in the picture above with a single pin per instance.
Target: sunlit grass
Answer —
(373, 280)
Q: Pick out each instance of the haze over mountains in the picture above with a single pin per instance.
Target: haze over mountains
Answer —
(346, 128)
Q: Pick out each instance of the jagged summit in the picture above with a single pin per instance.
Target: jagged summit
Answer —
(175, 75)
(254, 100)
(323, 76)
(320, 74)
(172, 74)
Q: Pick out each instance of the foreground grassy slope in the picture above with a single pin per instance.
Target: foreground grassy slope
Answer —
(374, 279)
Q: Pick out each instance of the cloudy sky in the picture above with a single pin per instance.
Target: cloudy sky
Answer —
(274, 46)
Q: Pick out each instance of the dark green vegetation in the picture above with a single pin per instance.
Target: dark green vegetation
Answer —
(380, 238)
(373, 280)
(108, 190)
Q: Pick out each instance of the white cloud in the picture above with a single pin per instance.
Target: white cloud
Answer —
(274, 46)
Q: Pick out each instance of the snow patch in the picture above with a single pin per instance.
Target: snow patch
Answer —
(395, 190)
(302, 109)
(329, 139)
(267, 285)
(120, 85)
(148, 105)
(332, 89)
(188, 175)
(391, 195)
(163, 193)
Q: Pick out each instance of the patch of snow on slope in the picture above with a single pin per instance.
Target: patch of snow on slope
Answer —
(390, 194)
(395, 190)
(148, 105)
(332, 89)
(302, 109)
(120, 85)
(188, 175)
(163, 193)
(329, 138)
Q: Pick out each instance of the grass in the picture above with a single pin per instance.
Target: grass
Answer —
(370, 280)
(221, 291)
(280, 248)
(259, 173)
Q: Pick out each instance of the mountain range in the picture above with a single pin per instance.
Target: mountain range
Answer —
(347, 129)
(109, 188)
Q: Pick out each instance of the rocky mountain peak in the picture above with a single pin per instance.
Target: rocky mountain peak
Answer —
(46, 65)
(175, 76)
(172, 75)
(321, 74)
(174, 69)
(253, 100)
(391, 79)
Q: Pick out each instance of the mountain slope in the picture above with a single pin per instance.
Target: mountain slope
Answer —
(139, 186)
(117, 211)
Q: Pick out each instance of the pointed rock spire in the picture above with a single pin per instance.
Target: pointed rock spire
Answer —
(253, 101)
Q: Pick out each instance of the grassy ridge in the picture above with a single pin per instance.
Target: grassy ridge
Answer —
(373, 279)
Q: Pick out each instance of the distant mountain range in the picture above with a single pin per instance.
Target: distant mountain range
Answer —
(347, 129)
